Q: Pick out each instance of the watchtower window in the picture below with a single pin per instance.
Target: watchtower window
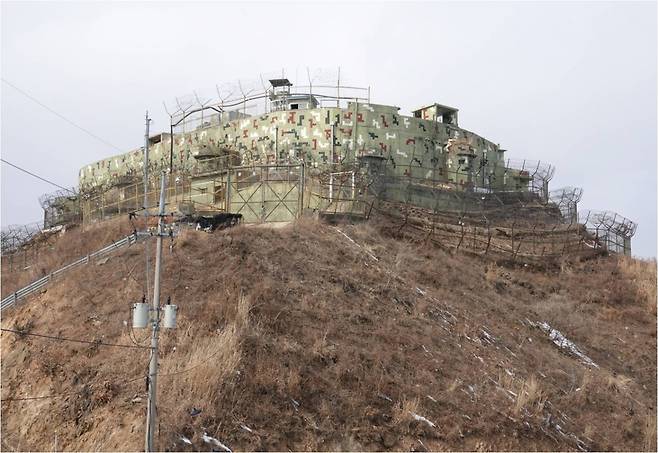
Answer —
(437, 112)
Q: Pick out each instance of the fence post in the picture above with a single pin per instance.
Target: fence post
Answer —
(15, 299)
(302, 183)
(517, 250)
(461, 223)
(228, 191)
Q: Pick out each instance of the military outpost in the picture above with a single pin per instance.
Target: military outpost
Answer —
(287, 151)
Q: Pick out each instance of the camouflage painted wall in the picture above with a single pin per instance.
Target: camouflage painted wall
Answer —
(410, 146)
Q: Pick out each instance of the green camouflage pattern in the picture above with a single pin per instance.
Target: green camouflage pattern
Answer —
(323, 138)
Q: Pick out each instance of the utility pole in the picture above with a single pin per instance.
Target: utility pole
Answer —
(155, 321)
(338, 89)
(146, 202)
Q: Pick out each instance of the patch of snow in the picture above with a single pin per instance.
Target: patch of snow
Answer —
(420, 418)
(384, 397)
(564, 343)
(354, 242)
(488, 337)
(186, 440)
(211, 440)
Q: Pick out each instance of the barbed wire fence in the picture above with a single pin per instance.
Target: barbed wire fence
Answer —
(511, 224)
(21, 245)
(528, 223)
(462, 207)
(566, 199)
(609, 230)
(251, 97)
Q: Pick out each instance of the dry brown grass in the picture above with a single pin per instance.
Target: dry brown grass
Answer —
(491, 273)
(196, 374)
(587, 382)
(47, 254)
(649, 432)
(618, 383)
(319, 347)
(530, 396)
(404, 408)
(302, 336)
(642, 274)
(201, 367)
(566, 266)
(453, 385)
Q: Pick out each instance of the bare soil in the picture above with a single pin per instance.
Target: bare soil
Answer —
(337, 337)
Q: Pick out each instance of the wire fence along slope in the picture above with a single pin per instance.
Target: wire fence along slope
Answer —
(37, 285)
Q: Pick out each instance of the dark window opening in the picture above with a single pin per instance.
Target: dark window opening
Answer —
(155, 139)
(294, 106)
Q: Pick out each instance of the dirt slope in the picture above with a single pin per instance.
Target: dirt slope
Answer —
(321, 337)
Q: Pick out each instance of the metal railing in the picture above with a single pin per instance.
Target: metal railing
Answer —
(37, 285)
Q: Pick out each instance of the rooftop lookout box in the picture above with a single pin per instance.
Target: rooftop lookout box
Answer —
(438, 112)
(282, 99)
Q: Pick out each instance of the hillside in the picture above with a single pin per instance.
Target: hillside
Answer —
(336, 337)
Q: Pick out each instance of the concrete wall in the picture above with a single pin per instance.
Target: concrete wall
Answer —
(410, 146)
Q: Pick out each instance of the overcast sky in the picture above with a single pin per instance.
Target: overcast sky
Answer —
(569, 83)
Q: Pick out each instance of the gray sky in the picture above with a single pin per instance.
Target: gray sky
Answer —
(569, 83)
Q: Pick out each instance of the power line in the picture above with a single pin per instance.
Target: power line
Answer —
(60, 395)
(32, 98)
(36, 176)
(98, 343)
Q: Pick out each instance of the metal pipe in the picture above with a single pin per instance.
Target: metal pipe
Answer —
(356, 124)
(333, 144)
(276, 144)
(171, 146)
(146, 185)
(338, 89)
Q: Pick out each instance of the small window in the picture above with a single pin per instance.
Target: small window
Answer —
(294, 106)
